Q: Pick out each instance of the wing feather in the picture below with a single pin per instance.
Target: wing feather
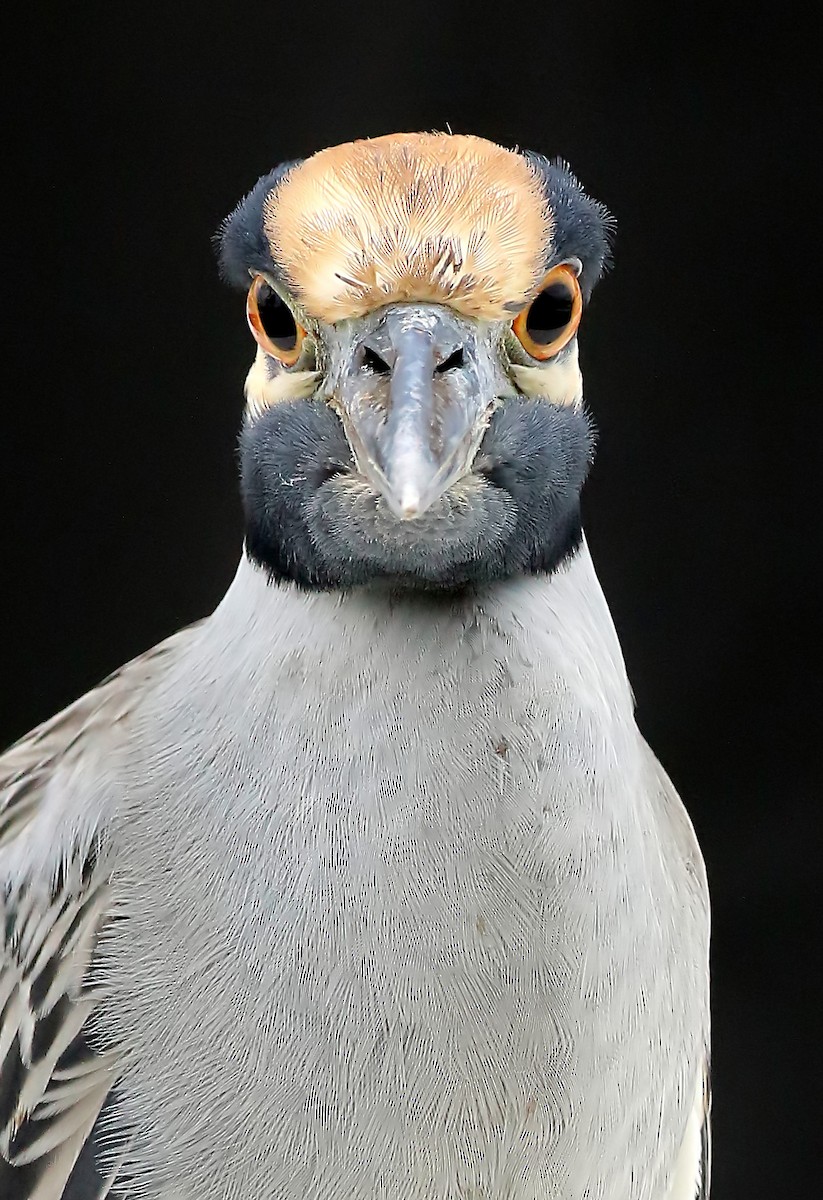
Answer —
(706, 1137)
(53, 1085)
(27, 768)
(692, 1176)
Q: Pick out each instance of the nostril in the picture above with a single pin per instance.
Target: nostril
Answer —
(454, 361)
(372, 361)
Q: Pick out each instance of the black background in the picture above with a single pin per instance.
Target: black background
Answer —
(133, 133)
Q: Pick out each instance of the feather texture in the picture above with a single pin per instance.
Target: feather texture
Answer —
(434, 217)
(381, 896)
(55, 898)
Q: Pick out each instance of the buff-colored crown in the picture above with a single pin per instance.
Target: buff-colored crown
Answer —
(415, 216)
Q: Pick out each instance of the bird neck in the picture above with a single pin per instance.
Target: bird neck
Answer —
(546, 635)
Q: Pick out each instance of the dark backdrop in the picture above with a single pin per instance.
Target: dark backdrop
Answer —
(132, 135)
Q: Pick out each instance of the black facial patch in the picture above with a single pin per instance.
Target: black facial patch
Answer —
(311, 518)
(582, 227)
(241, 241)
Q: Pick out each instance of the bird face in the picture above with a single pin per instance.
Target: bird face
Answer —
(414, 412)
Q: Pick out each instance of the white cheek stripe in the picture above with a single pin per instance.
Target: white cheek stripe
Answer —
(560, 382)
(261, 391)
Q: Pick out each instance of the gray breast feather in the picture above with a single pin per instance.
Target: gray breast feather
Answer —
(382, 895)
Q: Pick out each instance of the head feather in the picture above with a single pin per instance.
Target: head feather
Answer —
(428, 217)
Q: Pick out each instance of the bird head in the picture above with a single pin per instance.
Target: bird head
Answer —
(415, 410)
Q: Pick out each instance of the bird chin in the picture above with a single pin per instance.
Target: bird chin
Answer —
(313, 519)
(441, 548)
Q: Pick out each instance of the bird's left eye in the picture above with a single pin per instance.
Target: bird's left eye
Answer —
(272, 322)
(550, 321)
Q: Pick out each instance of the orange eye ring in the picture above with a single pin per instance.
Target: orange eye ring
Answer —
(272, 322)
(549, 323)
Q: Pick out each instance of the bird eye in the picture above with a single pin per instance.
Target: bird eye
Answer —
(550, 321)
(272, 322)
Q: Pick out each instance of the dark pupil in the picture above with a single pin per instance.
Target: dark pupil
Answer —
(276, 318)
(550, 312)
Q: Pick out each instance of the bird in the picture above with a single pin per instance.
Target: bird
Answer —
(367, 885)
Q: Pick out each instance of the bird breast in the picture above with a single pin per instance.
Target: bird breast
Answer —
(416, 833)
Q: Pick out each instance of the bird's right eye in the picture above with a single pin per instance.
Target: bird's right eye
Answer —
(272, 322)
